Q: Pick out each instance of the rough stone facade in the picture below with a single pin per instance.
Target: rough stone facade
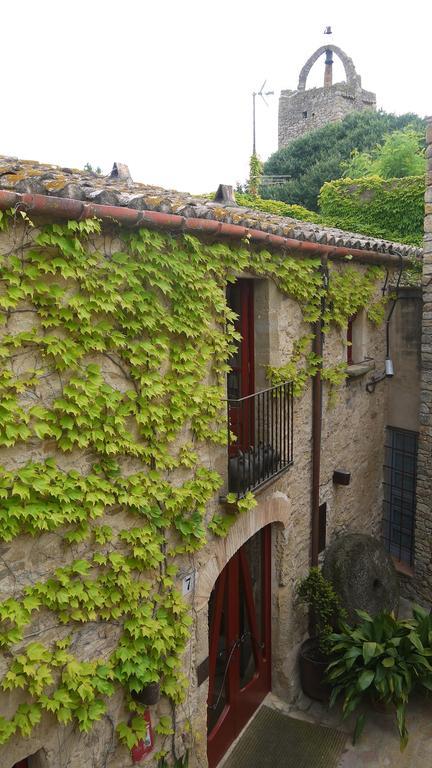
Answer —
(353, 431)
(422, 583)
(302, 111)
(352, 439)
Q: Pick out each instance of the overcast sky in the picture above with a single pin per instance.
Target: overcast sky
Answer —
(166, 87)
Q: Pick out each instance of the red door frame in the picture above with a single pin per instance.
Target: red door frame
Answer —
(242, 415)
(247, 333)
(241, 703)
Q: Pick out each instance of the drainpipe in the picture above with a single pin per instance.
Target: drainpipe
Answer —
(317, 347)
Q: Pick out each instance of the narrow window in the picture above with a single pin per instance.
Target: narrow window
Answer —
(305, 113)
(400, 470)
(356, 338)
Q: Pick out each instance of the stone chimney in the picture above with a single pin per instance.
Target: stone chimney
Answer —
(423, 531)
(328, 72)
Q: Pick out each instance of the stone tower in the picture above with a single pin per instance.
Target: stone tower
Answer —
(302, 111)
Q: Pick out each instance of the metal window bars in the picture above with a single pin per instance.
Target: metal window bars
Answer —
(400, 475)
(260, 438)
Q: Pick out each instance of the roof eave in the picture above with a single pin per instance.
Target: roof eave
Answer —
(71, 209)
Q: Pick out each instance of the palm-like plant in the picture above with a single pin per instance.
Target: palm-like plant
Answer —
(380, 660)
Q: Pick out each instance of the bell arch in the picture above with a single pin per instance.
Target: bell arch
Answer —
(353, 79)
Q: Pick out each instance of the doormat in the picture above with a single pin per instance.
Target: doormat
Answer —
(274, 740)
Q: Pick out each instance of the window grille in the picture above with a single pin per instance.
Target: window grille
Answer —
(400, 473)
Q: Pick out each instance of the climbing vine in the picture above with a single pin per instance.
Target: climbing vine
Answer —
(393, 209)
(276, 207)
(348, 291)
(114, 350)
(255, 173)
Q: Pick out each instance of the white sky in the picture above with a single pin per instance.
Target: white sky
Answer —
(166, 87)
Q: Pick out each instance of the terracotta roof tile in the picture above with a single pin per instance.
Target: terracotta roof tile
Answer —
(40, 178)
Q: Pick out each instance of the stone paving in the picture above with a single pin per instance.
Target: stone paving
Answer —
(378, 746)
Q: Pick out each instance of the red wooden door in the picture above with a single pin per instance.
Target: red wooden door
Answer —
(21, 764)
(241, 379)
(239, 639)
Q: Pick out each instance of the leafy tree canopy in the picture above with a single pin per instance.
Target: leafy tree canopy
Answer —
(316, 157)
(401, 154)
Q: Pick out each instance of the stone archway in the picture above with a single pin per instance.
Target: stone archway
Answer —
(274, 509)
(353, 79)
(271, 508)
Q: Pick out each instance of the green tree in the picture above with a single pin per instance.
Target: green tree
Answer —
(316, 157)
(401, 154)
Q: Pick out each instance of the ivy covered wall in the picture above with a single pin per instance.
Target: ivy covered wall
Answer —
(114, 349)
(392, 209)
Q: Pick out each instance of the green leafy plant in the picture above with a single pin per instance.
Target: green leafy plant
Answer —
(255, 173)
(401, 154)
(326, 612)
(276, 207)
(379, 660)
(389, 208)
(315, 158)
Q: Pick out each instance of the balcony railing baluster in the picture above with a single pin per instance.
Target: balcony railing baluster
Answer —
(263, 449)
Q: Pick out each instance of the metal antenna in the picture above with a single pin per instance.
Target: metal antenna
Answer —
(263, 94)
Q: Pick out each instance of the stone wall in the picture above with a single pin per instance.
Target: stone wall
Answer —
(353, 439)
(421, 587)
(405, 342)
(302, 111)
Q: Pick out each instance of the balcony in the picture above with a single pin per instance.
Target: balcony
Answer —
(262, 424)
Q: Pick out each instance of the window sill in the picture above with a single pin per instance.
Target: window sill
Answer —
(403, 568)
(356, 370)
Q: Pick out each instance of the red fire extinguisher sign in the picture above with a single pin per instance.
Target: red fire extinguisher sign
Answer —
(144, 746)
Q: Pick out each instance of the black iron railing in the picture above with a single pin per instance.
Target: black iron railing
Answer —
(260, 438)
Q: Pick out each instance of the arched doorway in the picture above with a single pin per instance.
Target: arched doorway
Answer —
(239, 642)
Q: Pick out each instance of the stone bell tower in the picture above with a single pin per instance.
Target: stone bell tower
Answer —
(302, 111)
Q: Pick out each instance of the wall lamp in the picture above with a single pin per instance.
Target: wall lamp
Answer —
(387, 374)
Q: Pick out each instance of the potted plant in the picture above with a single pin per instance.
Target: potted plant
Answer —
(378, 661)
(325, 613)
(149, 694)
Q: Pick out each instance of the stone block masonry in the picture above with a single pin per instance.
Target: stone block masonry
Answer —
(302, 111)
(422, 583)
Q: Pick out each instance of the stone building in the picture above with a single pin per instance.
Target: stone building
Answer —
(305, 110)
(87, 386)
(421, 586)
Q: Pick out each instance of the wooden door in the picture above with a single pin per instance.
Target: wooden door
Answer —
(239, 640)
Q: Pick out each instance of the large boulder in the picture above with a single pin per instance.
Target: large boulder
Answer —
(363, 575)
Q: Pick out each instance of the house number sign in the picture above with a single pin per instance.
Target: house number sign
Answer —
(188, 584)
